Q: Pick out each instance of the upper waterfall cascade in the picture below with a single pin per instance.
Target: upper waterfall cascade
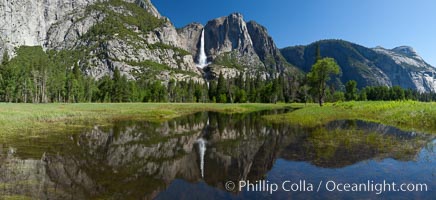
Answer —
(202, 58)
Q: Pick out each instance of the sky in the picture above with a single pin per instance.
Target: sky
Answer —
(371, 23)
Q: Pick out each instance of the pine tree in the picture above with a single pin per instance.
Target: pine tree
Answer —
(212, 91)
(171, 90)
(117, 95)
(198, 93)
(191, 90)
(351, 90)
(78, 90)
(124, 89)
(105, 89)
(221, 89)
(89, 89)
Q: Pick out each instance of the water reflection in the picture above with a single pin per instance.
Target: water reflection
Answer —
(202, 150)
(199, 153)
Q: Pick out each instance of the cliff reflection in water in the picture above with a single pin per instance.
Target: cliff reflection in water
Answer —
(140, 160)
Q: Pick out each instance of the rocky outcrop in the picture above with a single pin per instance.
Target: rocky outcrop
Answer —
(243, 47)
(228, 44)
(407, 69)
(74, 26)
(164, 61)
(148, 6)
(28, 22)
(167, 34)
(266, 49)
(155, 53)
(226, 34)
(23, 28)
(378, 66)
(66, 33)
(189, 37)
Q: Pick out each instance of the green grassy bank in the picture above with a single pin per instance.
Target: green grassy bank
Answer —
(406, 115)
(35, 118)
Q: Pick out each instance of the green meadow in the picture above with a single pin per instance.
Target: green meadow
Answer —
(406, 115)
(37, 118)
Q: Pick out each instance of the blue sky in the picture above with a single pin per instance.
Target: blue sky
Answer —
(388, 23)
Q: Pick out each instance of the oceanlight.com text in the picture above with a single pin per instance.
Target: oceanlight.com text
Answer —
(324, 185)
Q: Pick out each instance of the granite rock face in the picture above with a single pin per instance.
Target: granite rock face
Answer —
(400, 66)
(266, 49)
(190, 37)
(227, 41)
(64, 25)
(232, 45)
(226, 34)
(230, 42)
(228, 45)
(406, 68)
(27, 22)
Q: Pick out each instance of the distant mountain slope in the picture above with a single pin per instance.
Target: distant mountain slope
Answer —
(134, 37)
(400, 66)
(129, 35)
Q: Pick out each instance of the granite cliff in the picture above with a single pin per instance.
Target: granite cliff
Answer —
(400, 66)
(134, 37)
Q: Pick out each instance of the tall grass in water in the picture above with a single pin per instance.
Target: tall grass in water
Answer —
(25, 118)
(406, 115)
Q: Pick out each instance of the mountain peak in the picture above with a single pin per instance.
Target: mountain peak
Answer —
(196, 25)
(405, 50)
(236, 15)
(146, 5)
(379, 47)
(257, 25)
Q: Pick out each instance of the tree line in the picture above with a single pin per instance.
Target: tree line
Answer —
(35, 76)
(324, 90)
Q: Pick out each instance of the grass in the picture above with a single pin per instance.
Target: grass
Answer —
(406, 115)
(36, 118)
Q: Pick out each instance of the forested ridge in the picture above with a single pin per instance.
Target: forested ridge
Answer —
(35, 76)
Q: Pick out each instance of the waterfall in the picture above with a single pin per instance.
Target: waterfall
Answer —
(202, 149)
(202, 58)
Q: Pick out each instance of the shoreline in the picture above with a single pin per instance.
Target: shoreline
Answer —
(28, 119)
(405, 115)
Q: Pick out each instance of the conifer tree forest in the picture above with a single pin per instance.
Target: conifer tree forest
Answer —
(35, 76)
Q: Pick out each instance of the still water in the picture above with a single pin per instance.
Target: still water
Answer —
(206, 155)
